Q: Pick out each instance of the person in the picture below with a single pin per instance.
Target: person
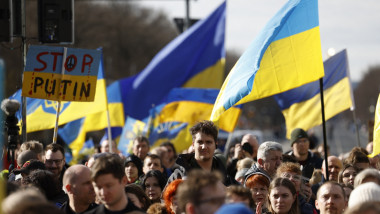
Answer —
(28, 167)
(252, 140)
(367, 175)
(194, 193)
(133, 169)
(234, 208)
(109, 179)
(55, 160)
(364, 208)
(269, 158)
(157, 208)
(172, 156)
(358, 157)
(331, 198)
(104, 146)
(293, 172)
(169, 196)
(78, 187)
(347, 174)
(153, 184)
(34, 146)
(282, 197)
(239, 194)
(367, 192)
(334, 167)
(258, 183)
(300, 150)
(204, 135)
(152, 162)
(141, 147)
(137, 195)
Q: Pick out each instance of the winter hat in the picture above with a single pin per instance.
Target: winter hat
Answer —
(241, 173)
(364, 193)
(135, 160)
(297, 134)
(234, 208)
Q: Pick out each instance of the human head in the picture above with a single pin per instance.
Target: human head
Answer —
(269, 157)
(252, 140)
(331, 198)
(133, 167)
(34, 146)
(364, 208)
(204, 136)
(152, 162)
(282, 196)
(239, 194)
(104, 146)
(55, 158)
(44, 180)
(194, 193)
(367, 192)
(162, 153)
(137, 195)
(334, 166)
(29, 166)
(109, 179)
(153, 184)
(170, 192)
(25, 156)
(258, 183)
(300, 142)
(367, 175)
(358, 157)
(172, 153)
(347, 174)
(141, 147)
(291, 171)
(77, 185)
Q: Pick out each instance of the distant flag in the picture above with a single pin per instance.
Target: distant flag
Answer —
(285, 55)
(376, 131)
(131, 130)
(301, 106)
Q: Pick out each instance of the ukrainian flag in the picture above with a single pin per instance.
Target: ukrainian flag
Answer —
(301, 106)
(285, 55)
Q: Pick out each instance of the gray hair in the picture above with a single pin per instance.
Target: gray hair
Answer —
(267, 146)
(366, 173)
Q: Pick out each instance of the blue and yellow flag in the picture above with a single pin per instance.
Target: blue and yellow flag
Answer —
(195, 58)
(41, 113)
(285, 55)
(301, 106)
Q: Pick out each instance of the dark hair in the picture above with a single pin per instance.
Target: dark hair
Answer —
(242, 192)
(141, 138)
(139, 192)
(108, 164)
(54, 147)
(171, 145)
(45, 181)
(158, 175)
(207, 127)
(277, 182)
(346, 166)
(136, 161)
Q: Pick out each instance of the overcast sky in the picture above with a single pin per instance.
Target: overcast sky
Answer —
(344, 24)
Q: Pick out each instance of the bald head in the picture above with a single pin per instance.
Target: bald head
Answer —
(252, 140)
(335, 165)
(72, 173)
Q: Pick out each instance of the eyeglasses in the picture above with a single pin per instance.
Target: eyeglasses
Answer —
(56, 161)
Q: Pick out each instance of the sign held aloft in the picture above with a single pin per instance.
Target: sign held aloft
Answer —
(43, 76)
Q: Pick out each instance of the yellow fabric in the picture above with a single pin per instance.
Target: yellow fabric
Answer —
(376, 131)
(211, 77)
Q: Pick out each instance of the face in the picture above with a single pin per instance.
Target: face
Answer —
(152, 164)
(335, 165)
(295, 178)
(281, 199)
(259, 193)
(109, 190)
(348, 175)
(105, 147)
(140, 149)
(204, 146)
(152, 188)
(330, 200)
(272, 161)
(82, 187)
(210, 203)
(135, 200)
(170, 153)
(301, 147)
(54, 162)
(253, 142)
(131, 171)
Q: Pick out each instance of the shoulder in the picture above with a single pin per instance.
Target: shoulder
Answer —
(97, 210)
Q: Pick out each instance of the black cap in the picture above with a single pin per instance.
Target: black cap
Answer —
(297, 134)
(29, 166)
(136, 160)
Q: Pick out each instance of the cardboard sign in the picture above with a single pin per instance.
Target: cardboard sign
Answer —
(43, 77)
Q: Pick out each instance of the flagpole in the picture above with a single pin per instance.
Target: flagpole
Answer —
(59, 98)
(324, 128)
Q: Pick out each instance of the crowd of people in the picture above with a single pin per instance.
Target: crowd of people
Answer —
(254, 178)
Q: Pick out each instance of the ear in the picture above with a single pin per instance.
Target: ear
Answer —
(68, 188)
(190, 208)
(260, 162)
(124, 180)
(316, 204)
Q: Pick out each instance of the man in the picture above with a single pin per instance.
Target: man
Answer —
(152, 162)
(172, 156)
(252, 140)
(55, 160)
(205, 136)
(300, 151)
(194, 193)
(77, 185)
(105, 147)
(331, 198)
(34, 146)
(133, 169)
(269, 158)
(108, 179)
(141, 147)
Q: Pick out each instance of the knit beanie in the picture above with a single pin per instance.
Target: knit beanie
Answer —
(297, 134)
(364, 193)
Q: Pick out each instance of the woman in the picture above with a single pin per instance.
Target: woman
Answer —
(137, 195)
(258, 183)
(153, 184)
(348, 174)
(169, 196)
(282, 197)
(133, 169)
